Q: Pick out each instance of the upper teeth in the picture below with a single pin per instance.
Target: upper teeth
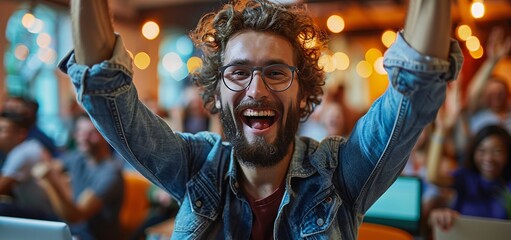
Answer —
(258, 113)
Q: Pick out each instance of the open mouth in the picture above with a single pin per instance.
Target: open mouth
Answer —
(259, 119)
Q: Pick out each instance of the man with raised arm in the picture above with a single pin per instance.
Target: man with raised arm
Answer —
(261, 74)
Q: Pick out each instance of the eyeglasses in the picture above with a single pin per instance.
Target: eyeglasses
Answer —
(277, 77)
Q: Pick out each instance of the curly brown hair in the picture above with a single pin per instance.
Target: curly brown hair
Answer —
(291, 22)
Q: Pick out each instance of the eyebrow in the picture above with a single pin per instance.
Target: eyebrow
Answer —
(247, 62)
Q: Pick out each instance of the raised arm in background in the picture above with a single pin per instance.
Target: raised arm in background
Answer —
(497, 47)
(93, 34)
(442, 138)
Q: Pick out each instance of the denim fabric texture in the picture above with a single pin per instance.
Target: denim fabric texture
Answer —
(329, 184)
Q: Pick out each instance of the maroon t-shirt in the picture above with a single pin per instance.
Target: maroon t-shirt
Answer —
(265, 211)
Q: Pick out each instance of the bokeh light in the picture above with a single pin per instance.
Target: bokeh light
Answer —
(463, 32)
(150, 30)
(477, 53)
(388, 38)
(21, 52)
(372, 54)
(28, 20)
(43, 40)
(477, 9)
(378, 66)
(142, 60)
(184, 45)
(172, 62)
(47, 55)
(472, 43)
(36, 27)
(326, 62)
(193, 63)
(335, 23)
(364, 69)
(341, 61)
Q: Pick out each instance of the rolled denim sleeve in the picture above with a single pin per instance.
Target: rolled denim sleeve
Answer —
(381, 141)
(119, 63)
(401, 56)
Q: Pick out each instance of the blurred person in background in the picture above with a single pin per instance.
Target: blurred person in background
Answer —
(29, 108)
(488, 94)
(87, 187)
(20, 195)
(482, 184)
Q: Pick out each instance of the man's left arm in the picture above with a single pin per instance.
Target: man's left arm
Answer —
(428, 27)
(419, 64)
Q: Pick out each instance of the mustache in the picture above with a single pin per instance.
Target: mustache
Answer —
(252, 103)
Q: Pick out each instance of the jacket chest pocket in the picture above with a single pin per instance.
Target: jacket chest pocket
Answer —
(199, 208)
(321, 217)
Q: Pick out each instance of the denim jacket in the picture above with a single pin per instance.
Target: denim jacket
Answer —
(329, 185)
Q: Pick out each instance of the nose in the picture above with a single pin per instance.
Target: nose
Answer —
(257, 88)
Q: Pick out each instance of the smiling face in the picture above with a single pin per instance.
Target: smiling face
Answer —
(259, 122)
(491, 157)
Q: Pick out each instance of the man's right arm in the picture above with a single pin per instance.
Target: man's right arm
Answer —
(93, 35)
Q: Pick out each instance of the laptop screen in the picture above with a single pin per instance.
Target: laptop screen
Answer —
(399, 206)
(25, 229)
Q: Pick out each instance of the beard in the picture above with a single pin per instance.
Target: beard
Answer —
(260, 153)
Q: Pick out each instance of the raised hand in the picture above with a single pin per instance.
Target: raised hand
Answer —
(498, 45)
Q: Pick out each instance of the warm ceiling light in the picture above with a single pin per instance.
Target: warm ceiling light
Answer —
(464, 32)
(335, 23)
(477, 9)
(477, 53)
(472, 43)
(372, 54)
(150, 30)
(364, 69)
(388, 38)
(193, 63)
(341, 61)
(142, 60)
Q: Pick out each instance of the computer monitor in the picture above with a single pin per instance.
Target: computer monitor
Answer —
(399, 206)
(29, 229)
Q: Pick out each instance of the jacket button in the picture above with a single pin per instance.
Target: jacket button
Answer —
(198, 203)
(328, 199)
(320, 222)
(236, 185)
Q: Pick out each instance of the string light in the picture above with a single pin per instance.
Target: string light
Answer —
(335, 23)
(150, 30)
(477, 8)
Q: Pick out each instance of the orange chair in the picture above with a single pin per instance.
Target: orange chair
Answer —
(136, 204)
(371, 231)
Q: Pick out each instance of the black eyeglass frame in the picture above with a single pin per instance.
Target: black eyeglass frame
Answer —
(261, 69)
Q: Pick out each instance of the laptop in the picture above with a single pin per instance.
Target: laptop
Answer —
(475, 228)
(399, 206)
(29, 229)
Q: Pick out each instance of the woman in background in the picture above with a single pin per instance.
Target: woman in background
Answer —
(482, 183)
